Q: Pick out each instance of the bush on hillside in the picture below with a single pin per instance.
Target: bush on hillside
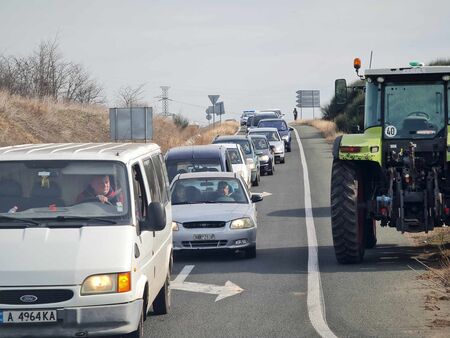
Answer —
(180, 121)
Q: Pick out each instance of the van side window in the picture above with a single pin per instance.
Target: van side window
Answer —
(140, 198)
(152, 175)
(161, 178)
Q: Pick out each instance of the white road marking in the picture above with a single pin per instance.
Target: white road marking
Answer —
(316, 305)
(265, 194)
(222, 292)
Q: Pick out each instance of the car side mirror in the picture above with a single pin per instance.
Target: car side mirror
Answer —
(256, 198)
(291, 129)
(156, 217)
(272, 148)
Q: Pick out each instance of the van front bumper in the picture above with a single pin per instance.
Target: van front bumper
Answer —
(92, 321)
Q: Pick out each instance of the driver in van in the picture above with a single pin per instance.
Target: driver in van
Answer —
(100, 188)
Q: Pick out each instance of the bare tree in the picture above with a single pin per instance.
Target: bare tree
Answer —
(131, 97)
(46, 74)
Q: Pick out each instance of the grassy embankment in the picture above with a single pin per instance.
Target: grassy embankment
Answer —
(24, 120)
(327, 128)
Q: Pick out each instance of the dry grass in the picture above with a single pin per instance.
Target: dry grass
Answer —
(208, 134)
(24, 120)
(327, 128)
(35, 121)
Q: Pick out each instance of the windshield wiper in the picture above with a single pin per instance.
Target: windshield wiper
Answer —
(81, 218)
(16, 219)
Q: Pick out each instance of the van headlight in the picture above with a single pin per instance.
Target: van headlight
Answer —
(279, 149)
(175, 226)
(286, 138)
(107, 283)
(242, 223)
(264, 158)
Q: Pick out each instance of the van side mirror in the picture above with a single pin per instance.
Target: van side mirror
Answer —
(291, 129)
(272, 148)
(256, 198)
(156, 217)
(340, 91)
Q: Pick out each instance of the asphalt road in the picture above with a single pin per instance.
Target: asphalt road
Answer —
(378, 298)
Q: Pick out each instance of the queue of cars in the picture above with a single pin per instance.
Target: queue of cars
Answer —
(213, 207)
(59, 199)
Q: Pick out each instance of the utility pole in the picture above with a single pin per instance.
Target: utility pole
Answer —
(165, 100)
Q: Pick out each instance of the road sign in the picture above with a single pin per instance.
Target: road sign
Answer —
(219, 108)
(213, 98)
(135, 123)
(228, 290)
(308, 98)
(208, 117)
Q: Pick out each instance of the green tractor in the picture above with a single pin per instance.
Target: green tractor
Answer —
(397, 172)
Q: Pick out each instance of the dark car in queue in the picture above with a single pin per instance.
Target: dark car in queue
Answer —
(253, 121)
(265, 154)
(283, 129)
(249, 151)
(198, 158)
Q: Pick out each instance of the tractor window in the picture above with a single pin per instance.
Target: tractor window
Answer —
(372, 116)
(413, 110)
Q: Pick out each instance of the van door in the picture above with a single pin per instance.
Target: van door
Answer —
(145, 238)
(160, 258)
(163, 238)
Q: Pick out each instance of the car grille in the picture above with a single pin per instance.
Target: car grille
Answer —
(204, 244)
(31, 297)
(203, 225)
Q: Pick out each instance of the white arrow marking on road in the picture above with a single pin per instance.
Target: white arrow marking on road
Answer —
(264, 194)
(228, 290)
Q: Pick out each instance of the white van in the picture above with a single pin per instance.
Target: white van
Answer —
(85, 239)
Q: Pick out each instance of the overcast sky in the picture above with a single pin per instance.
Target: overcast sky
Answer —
(254, 53)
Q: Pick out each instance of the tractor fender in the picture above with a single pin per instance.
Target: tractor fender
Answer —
(336, 144)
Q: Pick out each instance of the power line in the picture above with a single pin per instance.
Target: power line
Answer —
(189, 104)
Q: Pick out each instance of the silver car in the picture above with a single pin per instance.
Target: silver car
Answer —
(213, 210)
(274, 139)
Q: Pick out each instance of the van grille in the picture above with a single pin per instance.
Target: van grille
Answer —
(31, 297)
(204, 244)
(203, 225)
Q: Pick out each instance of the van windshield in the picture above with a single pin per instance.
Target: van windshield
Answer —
(175, 167)
(63, 190)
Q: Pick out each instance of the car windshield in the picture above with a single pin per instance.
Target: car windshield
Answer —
(258, 118)
(208, 190)
(245, 144)
(413, 110)
(63, 190)
(235, 156)
(270, 135)
(279, 124)
(175, 167)
(260, 143)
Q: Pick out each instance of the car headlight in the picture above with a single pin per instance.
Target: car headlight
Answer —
(175, 226)
(285, 137)
(242, 223)
(264, 158)
(107, 283)
(279, 148)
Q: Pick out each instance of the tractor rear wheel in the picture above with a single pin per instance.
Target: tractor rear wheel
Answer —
(347, 214)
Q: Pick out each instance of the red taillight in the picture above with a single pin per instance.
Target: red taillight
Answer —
(384, 211)
(350, 149)
(447, 210)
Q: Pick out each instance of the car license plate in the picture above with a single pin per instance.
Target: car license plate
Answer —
(36, 316)
(204, 237)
